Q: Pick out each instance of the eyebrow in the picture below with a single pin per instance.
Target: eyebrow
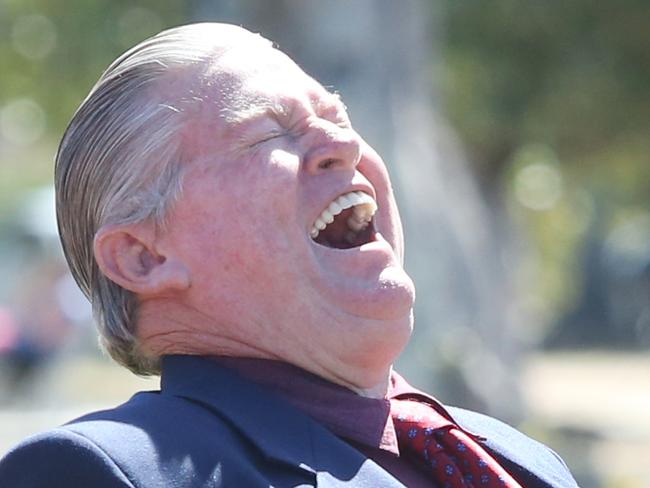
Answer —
(330, 99)
(239, 110)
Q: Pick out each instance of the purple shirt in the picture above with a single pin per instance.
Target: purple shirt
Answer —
(362, 422)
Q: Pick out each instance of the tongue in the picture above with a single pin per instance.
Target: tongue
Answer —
(339, 235)
(334, 235)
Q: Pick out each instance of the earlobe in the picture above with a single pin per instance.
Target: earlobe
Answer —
(127, 255)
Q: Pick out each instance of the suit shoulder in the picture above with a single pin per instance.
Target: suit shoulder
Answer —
(147, 421)
(160, 440)
(496, 430)
(60, 458)
(516, 448)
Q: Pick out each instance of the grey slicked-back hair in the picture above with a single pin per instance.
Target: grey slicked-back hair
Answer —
(119, 162)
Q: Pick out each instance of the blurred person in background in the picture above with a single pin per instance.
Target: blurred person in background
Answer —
(235, 235)
(31, 336)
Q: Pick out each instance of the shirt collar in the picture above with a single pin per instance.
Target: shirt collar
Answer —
(362, 420)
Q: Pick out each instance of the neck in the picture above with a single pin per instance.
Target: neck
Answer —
(365, 381)
(166, 328)
(378, 391)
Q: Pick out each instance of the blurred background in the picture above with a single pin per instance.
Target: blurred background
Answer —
(517, 133)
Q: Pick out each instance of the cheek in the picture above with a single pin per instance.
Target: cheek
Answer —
(242, 223)
(268, 195)
(375, 170)
(257, 238)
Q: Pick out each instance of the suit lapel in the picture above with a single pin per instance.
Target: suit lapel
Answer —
(280, 431)
(533, 463)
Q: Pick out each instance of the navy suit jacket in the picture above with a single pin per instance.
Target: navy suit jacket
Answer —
(208, 427)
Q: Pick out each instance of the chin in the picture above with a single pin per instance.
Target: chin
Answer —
(383, 321)
(377, 350)
(389, 297)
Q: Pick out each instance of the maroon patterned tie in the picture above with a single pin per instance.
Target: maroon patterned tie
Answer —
(452, 457)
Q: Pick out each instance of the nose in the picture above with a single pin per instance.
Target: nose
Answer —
(331, 147)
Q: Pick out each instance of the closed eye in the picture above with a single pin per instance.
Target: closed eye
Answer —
(268, 137)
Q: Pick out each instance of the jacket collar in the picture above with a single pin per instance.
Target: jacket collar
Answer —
(526, 458)
(285, 434)
(532, 462)
(280, 431)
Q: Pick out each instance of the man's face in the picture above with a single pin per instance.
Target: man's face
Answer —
(274, 158)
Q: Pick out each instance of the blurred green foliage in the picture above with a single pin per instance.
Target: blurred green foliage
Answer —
(51, 53)
(563, 86)
(573, 75)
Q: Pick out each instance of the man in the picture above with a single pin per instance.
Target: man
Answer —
(236, 235)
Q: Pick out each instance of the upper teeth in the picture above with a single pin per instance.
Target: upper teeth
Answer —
(364, 209)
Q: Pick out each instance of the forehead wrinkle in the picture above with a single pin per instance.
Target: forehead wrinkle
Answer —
(240, 109)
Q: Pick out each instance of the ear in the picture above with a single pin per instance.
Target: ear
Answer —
(127, 255)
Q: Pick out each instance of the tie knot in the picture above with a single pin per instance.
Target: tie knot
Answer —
(433, 441)
(413, 413)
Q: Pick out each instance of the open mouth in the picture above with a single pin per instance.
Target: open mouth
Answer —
(347, 222)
